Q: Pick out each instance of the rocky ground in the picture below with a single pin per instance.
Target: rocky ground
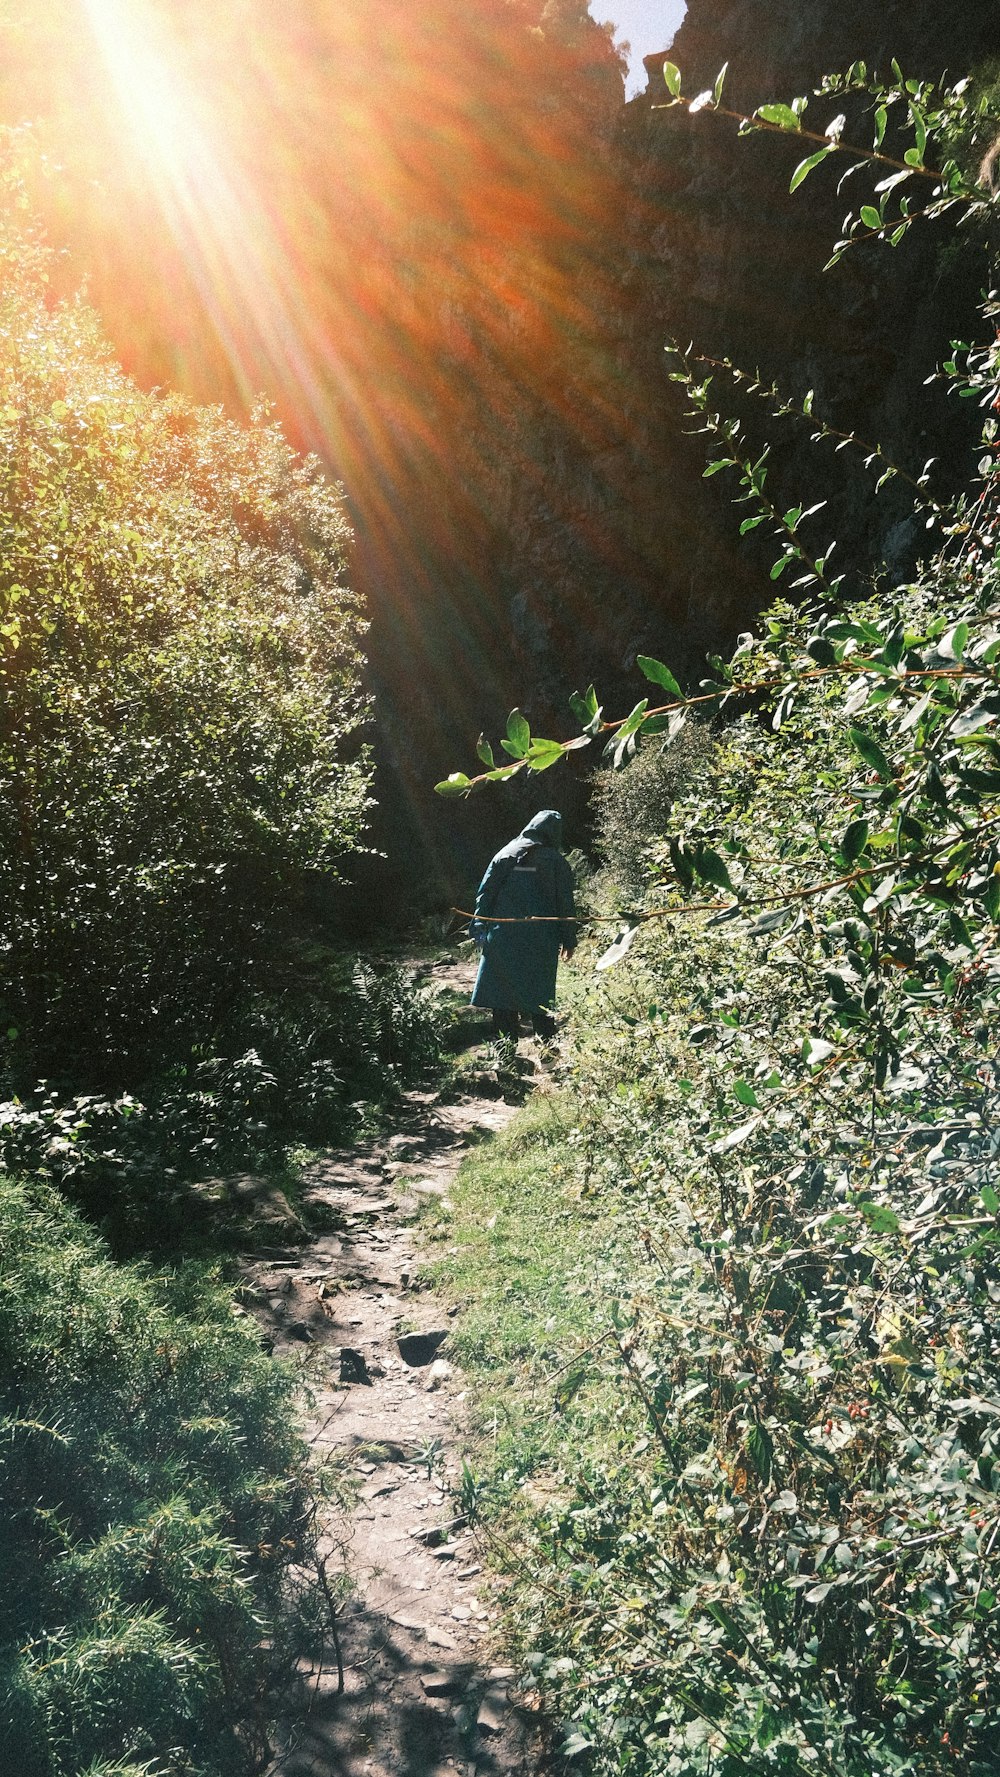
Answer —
(425, 1691)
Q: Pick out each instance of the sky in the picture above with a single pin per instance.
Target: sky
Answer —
(647, 25)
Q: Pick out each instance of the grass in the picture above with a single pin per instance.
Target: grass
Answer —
(536, 1271)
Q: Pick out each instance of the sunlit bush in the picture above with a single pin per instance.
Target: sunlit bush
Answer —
(790, 1092)
(179, 679)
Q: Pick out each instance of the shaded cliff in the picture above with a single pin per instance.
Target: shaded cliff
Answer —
(723, 255)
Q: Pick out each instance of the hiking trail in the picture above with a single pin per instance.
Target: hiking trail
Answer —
(425, 1693)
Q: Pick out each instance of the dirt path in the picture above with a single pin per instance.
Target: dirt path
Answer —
(423, 1695)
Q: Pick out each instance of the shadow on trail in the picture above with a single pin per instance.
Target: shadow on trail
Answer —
(424, 1694)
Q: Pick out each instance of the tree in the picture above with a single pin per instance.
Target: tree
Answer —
(179, 684)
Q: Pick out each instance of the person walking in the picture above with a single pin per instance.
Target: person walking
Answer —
(523, 920)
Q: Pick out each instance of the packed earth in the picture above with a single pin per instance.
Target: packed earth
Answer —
(417, 1684)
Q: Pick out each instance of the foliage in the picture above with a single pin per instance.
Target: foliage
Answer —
(630, 805)
(179, 680)
(928, 137)
(324, 1042)
(800, 1111)
(154, 1496)
(798, 1114)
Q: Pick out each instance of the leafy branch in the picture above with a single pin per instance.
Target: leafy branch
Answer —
(783, 406)
(927, 111)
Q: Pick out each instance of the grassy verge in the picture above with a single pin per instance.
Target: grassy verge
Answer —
(539, 1271)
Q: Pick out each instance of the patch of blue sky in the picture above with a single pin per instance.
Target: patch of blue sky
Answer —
(647, 25)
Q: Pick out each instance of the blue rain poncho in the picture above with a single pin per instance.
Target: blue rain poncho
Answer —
(528, 880)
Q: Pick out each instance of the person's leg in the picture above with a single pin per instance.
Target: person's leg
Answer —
(543, 1023)
(506, 1024)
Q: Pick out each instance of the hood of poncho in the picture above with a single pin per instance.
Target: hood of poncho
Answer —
(544, 828)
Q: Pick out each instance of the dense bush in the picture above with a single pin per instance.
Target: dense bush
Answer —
(794, 1099)
(797, 1103)
(179, 691)
(153, 1498)
(630, 806)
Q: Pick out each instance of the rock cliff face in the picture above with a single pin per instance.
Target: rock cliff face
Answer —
(607, 540)
(597, 535)
(721, 254)
(471, 252)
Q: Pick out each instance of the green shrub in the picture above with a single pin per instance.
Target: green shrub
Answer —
(630, 806)
(179, 675)
(792, 1098)
(154, 1494)
(806, 1576)
(325, 1043)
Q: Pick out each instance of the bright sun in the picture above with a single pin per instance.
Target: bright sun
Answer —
(149, 94)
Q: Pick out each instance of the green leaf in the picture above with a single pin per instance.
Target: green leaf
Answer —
(956, 641)
(455, 785)
(771, 922)
(854, 841)
(806, 166)
(760, 1449)
(959, 931)
(672, 76)
(658, 674)
(720, 81)
(881, 119)
(979, 716)
(990, 1199)
(782, 115)
(587, 710)
(711, 868)
(870, 216)
(736, 1137)
(880, 1219)
(633, 722)
(484, 751)
(746, 1094)
(543, 753)
(669, 723)
(518, 735)
(870, 752)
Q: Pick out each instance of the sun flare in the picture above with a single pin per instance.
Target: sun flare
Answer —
(148, 91)
(226, 239)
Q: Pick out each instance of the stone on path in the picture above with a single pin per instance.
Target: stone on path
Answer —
(418, 1349)
(439, 1684)
(492, 1710)
(353, 1367)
